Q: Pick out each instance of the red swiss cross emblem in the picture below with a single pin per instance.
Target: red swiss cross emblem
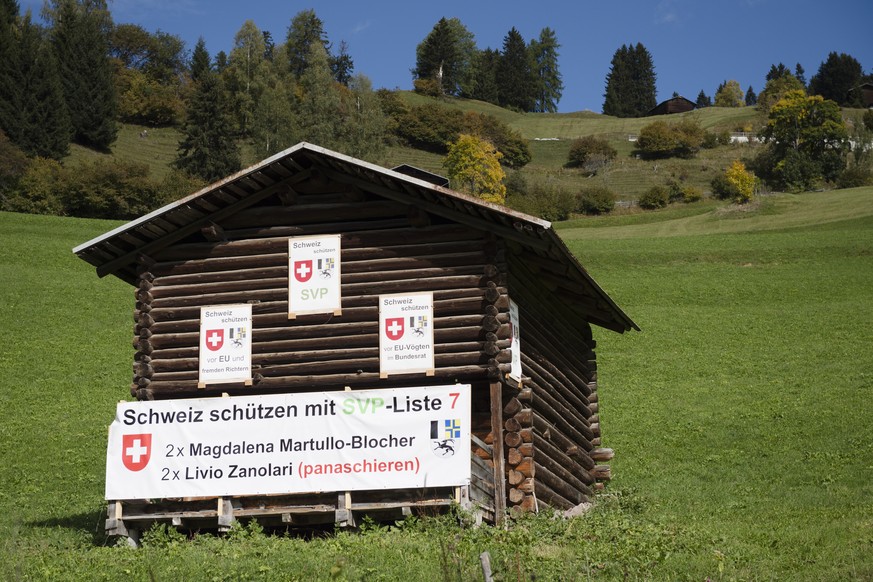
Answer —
(303, 270)
(394, 327)
(136, 450)
(214, 339)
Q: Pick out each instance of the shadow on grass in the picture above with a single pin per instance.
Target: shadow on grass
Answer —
(89, 525)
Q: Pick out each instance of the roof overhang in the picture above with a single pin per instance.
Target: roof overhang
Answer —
(118, 251)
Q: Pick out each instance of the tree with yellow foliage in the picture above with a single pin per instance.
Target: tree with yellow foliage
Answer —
(473, 165)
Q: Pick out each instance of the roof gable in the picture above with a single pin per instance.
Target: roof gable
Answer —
(118, 251)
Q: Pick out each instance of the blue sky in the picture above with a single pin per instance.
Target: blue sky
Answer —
(695, 44)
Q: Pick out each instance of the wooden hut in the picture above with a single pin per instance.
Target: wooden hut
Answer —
(673, 105)
(536, 438)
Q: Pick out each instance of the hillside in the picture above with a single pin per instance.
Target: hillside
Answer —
(549, 137)
(740, 415)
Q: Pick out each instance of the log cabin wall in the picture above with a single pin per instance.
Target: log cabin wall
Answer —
(387, 247)
(553, 427)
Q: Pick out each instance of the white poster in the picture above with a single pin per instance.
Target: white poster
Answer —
(290, 443)
(314, 275)
(514, 342)
(406, 334)
(225, 344)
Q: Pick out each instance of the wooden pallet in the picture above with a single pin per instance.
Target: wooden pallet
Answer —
(345, 509)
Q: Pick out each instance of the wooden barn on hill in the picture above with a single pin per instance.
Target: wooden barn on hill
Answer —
(535, 439)
(673, 105)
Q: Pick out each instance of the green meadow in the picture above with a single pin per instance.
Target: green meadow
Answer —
(741, 416)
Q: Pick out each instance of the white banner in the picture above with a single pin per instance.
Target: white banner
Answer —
(225, 344)
(290, 443)
(406, 334)
(314, 275)
(514, 342)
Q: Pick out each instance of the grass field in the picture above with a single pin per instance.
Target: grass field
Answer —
(741, 415)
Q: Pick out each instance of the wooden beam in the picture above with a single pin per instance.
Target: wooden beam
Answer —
(444, 211)
(496, 389)
(195, 225)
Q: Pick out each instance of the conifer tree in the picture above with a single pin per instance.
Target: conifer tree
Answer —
(201, 64)
(80, 36)
(208, 149)
(342, 65)
(446, 55)
(43, 110)
(306, 29)
(835, 79)
(549, 87)
(10, 70)
(515, 77)
(33, 112)
(630, 83)
(484, 76)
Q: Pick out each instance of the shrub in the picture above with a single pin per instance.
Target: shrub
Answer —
(722, 188)
(856, 176)
(13, 164)
(868, 119)
(547, 201)
(660, 139)
(432, 127)
(590, 153)
(710, 141)
(691, 194)
(745, 182)
(655, 197)
(36, 191)
(429, 87)
(595, 200)
(736, 183)
(110, 189)
(508, 141)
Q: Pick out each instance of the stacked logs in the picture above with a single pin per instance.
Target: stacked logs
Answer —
(460, 266)
(553, 425)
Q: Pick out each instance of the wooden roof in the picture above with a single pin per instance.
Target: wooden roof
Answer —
(118, 251)
(677, 104)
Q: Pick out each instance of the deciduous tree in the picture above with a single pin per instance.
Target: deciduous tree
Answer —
(473, 166)
(243, 75)
(776, 88)
(730, 94)
(807, 142)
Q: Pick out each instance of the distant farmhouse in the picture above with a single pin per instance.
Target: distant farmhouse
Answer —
(677, 104)
(866, 90)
